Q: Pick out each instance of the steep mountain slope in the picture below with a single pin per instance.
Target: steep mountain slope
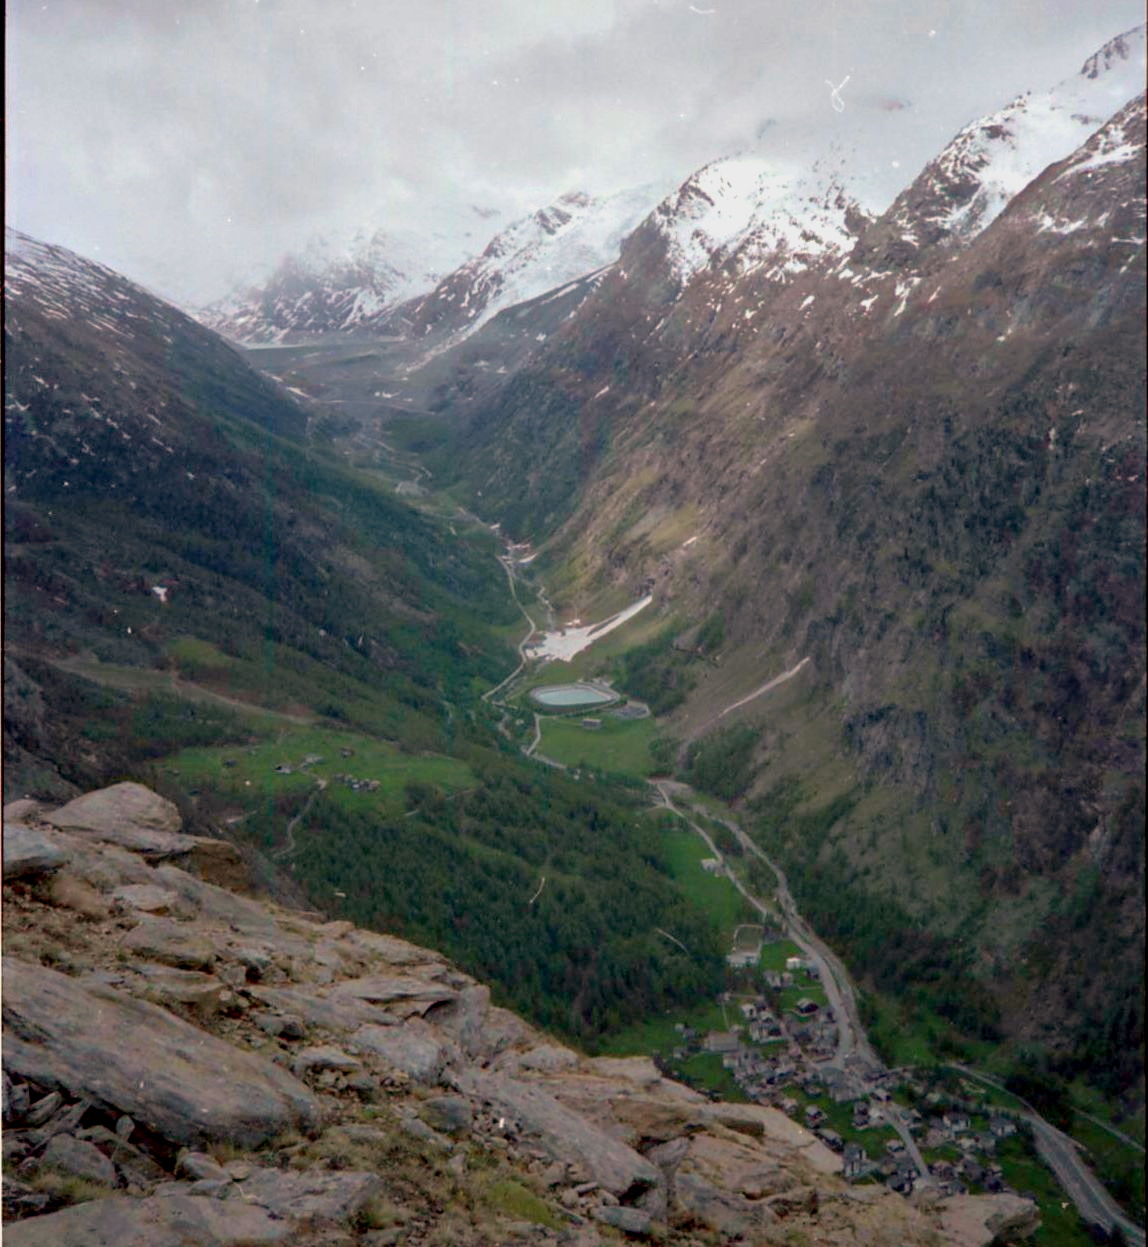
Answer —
(284, 647)
(163, 512)
(917, 461)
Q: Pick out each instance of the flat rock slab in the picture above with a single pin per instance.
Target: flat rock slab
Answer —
(565, 1135)
(317, 1195)
(148, 898)
(403, 993)
(391, 949)
(185, 987)
(331, 1014)
(29, 851)
(171, 943)
(136, 1058)
(161, 1221)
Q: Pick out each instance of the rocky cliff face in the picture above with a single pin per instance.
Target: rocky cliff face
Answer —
(183, 1062)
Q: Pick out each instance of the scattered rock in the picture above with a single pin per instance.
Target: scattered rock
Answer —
(317, 1195)
(173, 1078)
(83, 1160)
(30, 851)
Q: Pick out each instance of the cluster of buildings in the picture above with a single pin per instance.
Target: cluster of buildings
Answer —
(776, 1054)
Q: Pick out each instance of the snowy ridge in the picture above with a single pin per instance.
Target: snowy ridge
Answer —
(746, 210)
(993, 159)
(545, 252)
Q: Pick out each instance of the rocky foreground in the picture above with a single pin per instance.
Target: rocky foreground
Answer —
(184, 1064)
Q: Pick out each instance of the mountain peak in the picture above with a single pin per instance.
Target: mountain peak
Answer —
(1115, 52)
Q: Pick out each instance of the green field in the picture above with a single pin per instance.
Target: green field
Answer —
(251, 771)
(619, 745)
(658, 1034)
(774, 956)
(684, 852)
(706, 1072)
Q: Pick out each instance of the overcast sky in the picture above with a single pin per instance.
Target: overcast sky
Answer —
(189, 142)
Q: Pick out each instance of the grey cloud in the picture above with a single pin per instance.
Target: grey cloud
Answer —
(186, 142)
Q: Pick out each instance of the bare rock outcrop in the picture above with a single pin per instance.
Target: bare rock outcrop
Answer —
(182, 1083)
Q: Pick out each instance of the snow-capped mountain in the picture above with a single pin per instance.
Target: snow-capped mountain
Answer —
(341, 285)
(962, 191)
(546, 251)
(741, 211)
(760, 210)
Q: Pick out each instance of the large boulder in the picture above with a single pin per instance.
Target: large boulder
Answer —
(415, 1048)
(136, 1058)
(161, 1221)
(563, 1134)
(127, 814)
(30, 851)
(976, 1220)
(136, 818)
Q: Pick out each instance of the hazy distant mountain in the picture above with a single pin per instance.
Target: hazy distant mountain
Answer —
(340, 286)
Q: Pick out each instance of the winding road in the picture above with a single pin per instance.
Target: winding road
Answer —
(1062, 1155)
(854, 1053)
(853, 1049)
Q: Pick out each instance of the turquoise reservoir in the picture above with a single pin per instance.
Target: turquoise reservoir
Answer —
(570, 695)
